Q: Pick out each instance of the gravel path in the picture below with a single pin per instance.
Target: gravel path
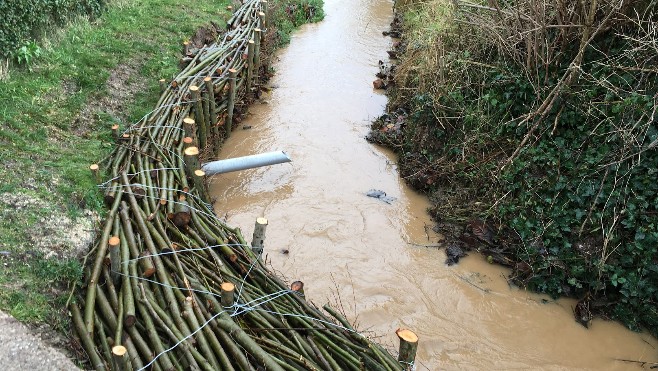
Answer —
(20, 350)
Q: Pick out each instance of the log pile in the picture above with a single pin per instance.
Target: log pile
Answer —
(171, 286)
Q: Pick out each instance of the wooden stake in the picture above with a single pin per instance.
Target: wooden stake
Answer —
(182, 215)
(115, 131)
(205, 100)
(257, 39)
(115, 260)
(200, 184)
(261, 18)
(191, 158)
(233, 74)
(258, 239)
(146, 262)
(110, 193)
(408, 346)
(163, 85)
(186, 47)
(250, 63)
(228, 294)
(188, 127)
(119, 357)
(188, 142)
(210, 91)
(199, 116)
(95, 172)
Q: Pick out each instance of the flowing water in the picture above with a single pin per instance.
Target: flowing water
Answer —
(370, 257)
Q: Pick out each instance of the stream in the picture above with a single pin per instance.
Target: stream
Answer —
(369, 258)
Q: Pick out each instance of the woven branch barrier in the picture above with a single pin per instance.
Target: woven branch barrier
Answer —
(172, 287)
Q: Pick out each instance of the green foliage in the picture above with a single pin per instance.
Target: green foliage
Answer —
(578, 204)
(23, 20)
(583, 200)
(290, 14)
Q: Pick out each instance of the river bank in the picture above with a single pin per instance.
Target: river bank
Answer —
(505, 138)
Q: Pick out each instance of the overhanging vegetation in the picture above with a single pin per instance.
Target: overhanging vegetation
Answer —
(538, 117)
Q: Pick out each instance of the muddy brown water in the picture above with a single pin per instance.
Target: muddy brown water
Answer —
(365, 255)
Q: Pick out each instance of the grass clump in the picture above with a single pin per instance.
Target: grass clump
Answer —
(290, 14)
(539, 117)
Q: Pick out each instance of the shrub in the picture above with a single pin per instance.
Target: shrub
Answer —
(545, 124)
(23, 21)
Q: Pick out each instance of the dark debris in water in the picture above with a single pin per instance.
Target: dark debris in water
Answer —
(454, 253)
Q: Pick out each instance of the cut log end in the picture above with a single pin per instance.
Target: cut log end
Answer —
(227, 294)
(261, 221)
(227, 286)
(194, 88)
(192, 151)
(188, 120)
(93, 167)
(181, 219)
(149, 272)
(297, 286)
(139, 192)
(199, 173)
(407, 335)
(119, 350)
(207, 79)
(114, 241)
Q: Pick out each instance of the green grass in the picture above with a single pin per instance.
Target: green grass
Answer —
(45, 153)
(40, 293)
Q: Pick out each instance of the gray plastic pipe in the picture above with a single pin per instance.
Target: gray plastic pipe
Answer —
(246, 162)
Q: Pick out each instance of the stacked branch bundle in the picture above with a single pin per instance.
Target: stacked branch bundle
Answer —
(171, 286)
